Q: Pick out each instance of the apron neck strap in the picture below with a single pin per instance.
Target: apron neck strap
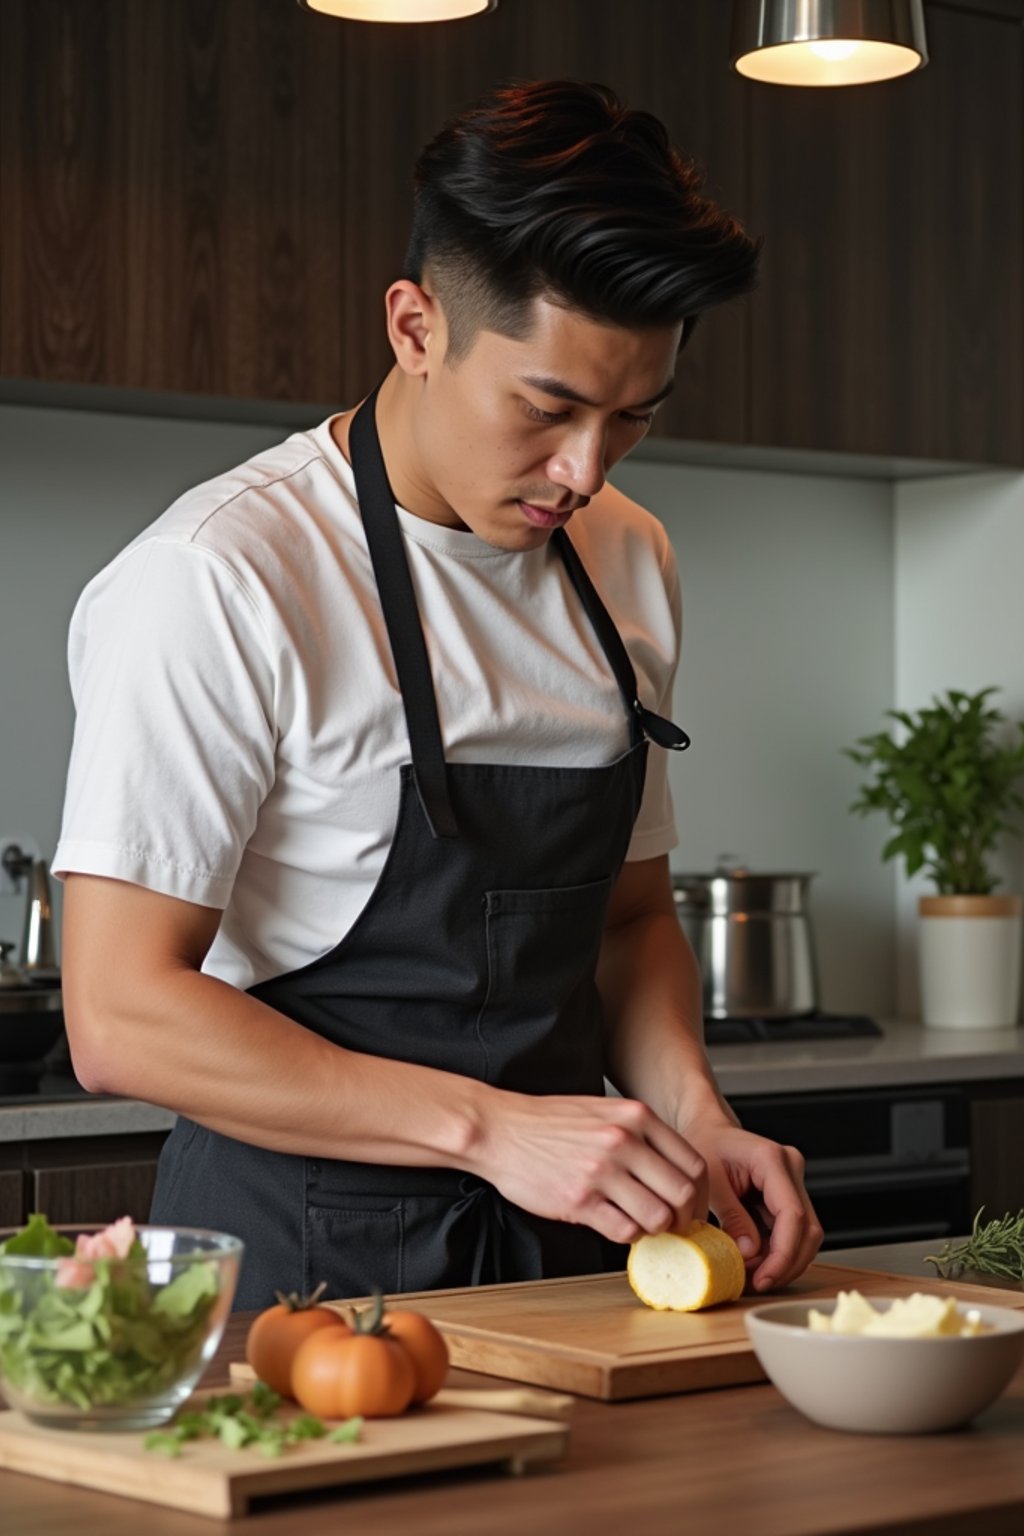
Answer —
(401, 618)
(643, 722)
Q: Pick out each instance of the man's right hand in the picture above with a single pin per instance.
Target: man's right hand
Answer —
(610, 1164)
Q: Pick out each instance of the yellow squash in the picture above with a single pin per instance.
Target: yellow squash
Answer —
(686, 1271)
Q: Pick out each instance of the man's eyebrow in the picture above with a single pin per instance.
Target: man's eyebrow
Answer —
(562, 391)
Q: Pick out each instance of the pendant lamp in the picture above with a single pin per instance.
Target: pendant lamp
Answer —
(399, 10)
(827, 42)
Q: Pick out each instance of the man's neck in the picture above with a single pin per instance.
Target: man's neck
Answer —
(412, 489)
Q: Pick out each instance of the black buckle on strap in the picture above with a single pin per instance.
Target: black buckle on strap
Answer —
(664, 733)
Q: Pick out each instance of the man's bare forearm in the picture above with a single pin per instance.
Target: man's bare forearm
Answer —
(651, 989)
(146, 1022)
(202, 1048)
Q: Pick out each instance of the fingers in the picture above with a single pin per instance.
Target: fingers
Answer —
(609, 1164)
(611, 1221)
(796, 1233)
(645, 1212)
(648, 1192)
(677, 1153)
(665, 1163)
(642, 1178)
(743, 1225)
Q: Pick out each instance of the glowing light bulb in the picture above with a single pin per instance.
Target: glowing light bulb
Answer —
(834, 49)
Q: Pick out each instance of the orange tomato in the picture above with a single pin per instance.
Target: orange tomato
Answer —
(277, 1334)
(425, 1346)
(339, 1375)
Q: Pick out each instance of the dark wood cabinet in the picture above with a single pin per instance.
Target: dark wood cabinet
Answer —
(172, 196)
(211, 197)
(890, 318)
(997, 1153)
(95, 1192)
(12, 1198)
(79, 1179)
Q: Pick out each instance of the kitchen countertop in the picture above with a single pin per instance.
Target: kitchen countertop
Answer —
(58, 1106)
(733, 1459)
(904, 1054)
(43, 1120)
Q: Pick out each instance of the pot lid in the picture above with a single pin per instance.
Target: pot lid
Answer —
(728, 867)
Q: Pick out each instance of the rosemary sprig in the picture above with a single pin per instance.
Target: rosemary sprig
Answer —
(997, 1248)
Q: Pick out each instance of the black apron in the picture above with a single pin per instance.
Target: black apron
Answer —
(475, 954)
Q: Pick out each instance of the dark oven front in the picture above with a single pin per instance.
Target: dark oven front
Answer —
(883, 1165)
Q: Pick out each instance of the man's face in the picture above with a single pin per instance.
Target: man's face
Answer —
(520, 434)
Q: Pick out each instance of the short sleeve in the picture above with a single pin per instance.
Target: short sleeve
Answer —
(654, 832)
(173, 682)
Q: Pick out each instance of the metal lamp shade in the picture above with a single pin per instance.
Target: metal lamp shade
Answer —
(399, 10)
(827, 42)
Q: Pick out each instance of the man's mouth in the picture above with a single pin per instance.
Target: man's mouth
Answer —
(545, 517)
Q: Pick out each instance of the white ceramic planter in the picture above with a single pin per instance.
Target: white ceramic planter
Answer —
(970, 957)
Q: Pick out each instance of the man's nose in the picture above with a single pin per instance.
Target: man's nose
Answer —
(581, 463)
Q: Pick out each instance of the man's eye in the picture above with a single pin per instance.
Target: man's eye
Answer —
(551, 418)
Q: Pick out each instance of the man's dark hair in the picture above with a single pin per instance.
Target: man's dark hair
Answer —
(555, 188)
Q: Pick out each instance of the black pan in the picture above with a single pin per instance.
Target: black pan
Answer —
(31, 1023)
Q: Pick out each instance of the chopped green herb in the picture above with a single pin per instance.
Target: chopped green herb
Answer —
(306, 1427)
(164, 1441)
(348, 1432)
(234, 1433)
(239, 1422)
(264, 1399)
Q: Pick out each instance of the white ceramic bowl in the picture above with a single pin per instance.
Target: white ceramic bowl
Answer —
(883, 1386)
(115, 1343)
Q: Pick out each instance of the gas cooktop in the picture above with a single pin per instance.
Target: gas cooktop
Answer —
(815, 1026)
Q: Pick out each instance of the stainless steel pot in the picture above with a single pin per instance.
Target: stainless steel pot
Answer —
(751, 933)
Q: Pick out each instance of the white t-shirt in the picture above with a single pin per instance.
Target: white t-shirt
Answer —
(239, 728)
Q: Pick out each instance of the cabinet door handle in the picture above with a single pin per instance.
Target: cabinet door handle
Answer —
(909, 1176)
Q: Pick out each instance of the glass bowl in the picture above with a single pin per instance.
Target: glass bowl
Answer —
(114, 1343)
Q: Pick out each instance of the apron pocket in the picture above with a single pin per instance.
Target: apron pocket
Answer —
(540, 1025)
(357, 1249)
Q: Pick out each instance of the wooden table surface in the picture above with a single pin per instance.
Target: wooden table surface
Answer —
(731, 1461)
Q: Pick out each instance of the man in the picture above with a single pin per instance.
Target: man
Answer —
(365, 848)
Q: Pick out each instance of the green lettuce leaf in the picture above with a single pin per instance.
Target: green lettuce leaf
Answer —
(38, 1240)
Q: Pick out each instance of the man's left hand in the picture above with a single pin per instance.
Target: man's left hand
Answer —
(756, 1189)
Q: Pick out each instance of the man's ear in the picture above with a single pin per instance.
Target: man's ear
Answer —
(416, 327)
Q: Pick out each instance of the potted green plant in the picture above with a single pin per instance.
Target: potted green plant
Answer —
(948, 784)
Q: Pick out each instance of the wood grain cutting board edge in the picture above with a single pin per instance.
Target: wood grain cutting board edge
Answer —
(209, 1479)
(990, 1295)
(536, 1331)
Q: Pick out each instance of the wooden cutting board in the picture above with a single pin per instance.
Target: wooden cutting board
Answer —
(209, 1479)
(592, 1336)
